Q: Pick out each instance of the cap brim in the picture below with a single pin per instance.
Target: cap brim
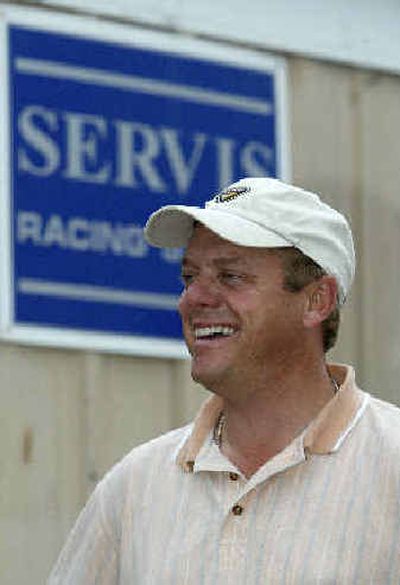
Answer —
(172, 226)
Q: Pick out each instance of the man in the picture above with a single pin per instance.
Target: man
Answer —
(290, 474)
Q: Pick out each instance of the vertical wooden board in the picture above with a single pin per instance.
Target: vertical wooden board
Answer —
(41, 463)
(191, 395)
(325, 160)
(129, 401)
(380, 110)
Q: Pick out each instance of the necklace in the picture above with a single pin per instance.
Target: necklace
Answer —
(218, 429)
(335, 385)
(220, 423)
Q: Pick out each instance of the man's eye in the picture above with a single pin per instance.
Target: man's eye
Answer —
(186, 278)
(231, 277)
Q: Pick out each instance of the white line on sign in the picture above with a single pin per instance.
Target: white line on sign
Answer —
(84, 292)
(106, 78)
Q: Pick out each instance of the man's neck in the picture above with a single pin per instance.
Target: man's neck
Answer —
(261, 421)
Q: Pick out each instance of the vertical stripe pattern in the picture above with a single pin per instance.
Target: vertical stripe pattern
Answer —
(329, 518)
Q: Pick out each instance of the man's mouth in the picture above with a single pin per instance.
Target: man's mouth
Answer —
(213, 331)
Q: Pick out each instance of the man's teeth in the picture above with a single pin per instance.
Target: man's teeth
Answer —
(213, 330)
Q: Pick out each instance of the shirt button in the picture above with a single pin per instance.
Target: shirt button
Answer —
(237, 510)
(190, 466)
(233, 476)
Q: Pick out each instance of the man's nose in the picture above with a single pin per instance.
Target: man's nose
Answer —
(201, 292)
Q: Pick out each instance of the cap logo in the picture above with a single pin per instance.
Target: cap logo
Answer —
(230, 194)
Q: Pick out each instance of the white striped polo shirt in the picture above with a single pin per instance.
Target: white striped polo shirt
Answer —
(175, 511)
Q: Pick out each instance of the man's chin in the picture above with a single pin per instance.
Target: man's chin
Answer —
(198, 376)
(207, 376)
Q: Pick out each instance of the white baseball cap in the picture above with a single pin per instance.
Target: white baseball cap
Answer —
(265, 213)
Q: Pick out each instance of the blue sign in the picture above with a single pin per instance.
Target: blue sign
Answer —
(103, 133)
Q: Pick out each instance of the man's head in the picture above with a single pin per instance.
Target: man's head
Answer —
(312, 241)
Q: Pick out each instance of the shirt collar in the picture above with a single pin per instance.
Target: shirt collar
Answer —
(325, 434)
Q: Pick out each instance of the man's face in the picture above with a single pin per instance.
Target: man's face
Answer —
(237, 318)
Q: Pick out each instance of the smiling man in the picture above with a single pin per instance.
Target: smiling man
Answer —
(290, 473)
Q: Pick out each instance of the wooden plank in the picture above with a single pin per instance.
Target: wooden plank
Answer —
(40, 452)
(380, 114)
(128, 401)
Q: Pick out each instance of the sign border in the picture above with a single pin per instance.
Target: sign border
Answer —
(175, 43)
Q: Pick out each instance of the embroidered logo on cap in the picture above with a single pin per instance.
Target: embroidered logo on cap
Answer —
(230, 194)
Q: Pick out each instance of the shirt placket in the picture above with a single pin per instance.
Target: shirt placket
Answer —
(238, 514)
(234, 535)
(238, 496)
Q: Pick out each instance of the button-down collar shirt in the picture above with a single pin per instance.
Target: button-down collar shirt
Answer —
(175, 511)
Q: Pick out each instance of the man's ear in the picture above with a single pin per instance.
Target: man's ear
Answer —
(321, 300)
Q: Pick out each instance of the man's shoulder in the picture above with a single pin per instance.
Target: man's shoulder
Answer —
(383, 408)
(163, 447)
(156, 454)
(383, 420)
